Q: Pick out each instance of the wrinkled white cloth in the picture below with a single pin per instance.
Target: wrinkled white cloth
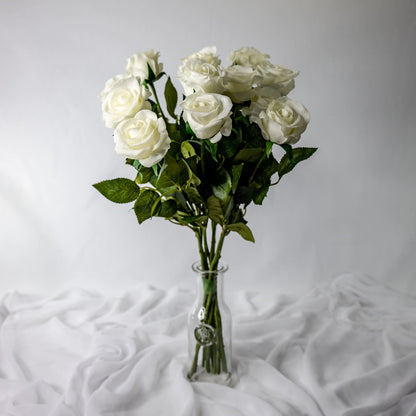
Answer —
(348, 349)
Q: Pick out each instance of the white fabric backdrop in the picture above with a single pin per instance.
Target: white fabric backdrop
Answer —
(351, 207)
(346, 350)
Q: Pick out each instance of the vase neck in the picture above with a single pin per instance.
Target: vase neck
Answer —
(209, 282)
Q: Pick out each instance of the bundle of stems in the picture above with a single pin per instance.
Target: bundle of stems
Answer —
(211, 357)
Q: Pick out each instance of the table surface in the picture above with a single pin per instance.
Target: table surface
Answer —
(346, 349)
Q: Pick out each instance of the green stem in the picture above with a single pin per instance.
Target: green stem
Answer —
(213, 238)
(152, 87)
(256, 168)
(213, 359)
(215, 362)
(180, 223)
(208, 360)
(192, 371)
(203, 158)
(204, 263)
(220, 338)
(214, 263)
(275, 183)
(204, 235)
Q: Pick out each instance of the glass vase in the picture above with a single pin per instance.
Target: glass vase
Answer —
(209, 329)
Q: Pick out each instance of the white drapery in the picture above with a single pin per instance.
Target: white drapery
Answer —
(348, 349)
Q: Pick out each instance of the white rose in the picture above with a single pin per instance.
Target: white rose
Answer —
(109, 84)
(199, 75)
(122, 98)
(208, 115)
(277, 75)
(143, 138)
(239, 81)
(247, 56)
(137, 64)
(260, 100)
(286, 87)
(208, 54)
(283, 121)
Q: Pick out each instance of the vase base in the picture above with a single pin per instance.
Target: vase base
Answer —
(225, 379)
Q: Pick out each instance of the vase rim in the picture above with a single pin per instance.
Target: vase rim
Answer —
(196, 267)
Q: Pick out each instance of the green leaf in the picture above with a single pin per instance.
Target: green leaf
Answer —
(288, 149)
(180, 198)
(155, 107)
(228, 205)
(173, 173)
(228, 146)
(174, 149)
(193, 162)
(174, 132)
(197, 219)
(144, 204)
(168, 208)
(261, 193)
(191, 177)
(182, 128)
(299, 154)
(187, 150)
(164, 180)
(268, 167)
(143, 175)
(120, 190)
(171, 97)
(269, 146)
(189, 130)
(185, 174)
(215, 211)
(241, 229)
(243, 195)
(151, 77)
(223, 184)
(212, 149)
(160, 75)
(237, 216)
(249, 155)
(253, 137)
(193, 195)
(236, 172)
(133, 162)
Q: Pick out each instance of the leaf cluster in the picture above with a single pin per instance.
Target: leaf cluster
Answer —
(198, 181)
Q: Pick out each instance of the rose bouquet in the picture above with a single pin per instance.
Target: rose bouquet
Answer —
(200, 164)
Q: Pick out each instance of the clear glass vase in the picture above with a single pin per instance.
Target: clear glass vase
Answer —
(209, 329)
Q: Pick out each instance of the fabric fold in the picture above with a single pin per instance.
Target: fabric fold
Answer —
(347, 349)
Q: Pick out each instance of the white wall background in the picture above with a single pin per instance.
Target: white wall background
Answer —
(352, 207)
